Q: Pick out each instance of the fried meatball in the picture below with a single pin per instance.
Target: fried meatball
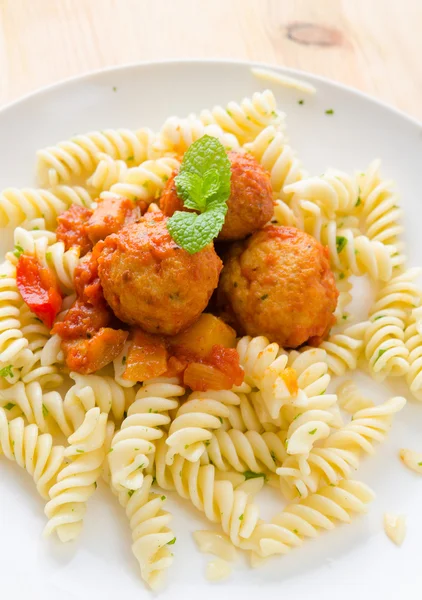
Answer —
(278, 283)
(250, 205)
(149, 281)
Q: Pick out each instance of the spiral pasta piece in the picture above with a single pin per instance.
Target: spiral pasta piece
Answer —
(12, 341)
(247, 119)
(350, 397)
(19, 205)
(45, 409)
(358, 254)
(81, 154)
(369, 425)
(33, 452)
(266, 368)
(306, 518)
(146, 181)
(311, 367)
(176, 135)
(194, 422)
(250, 415)
(89, 391)
(323, 466)
(107, 173)
(271, 150)
(413, 341)
(150, 531)
(385, 348)
(379, 206)
(345, 297)
(132, 447)
(307, 428)
(343, 349)
(28, 362)
(335, 192)
(249, 451)
(217, 499)
(77, 480)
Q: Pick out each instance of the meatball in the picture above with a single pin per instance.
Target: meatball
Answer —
(250, 205)
(279, 284)
(149, 281)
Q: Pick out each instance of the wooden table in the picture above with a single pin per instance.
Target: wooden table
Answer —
(374, 45)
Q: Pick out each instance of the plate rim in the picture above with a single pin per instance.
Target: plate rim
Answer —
(290, 71)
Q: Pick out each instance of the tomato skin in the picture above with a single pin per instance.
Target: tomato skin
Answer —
(39, 289)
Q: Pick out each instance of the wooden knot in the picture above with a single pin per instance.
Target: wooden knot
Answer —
(308, 34)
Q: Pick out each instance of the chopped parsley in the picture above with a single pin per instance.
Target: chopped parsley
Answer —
(341, 276)
(329, 111)
(130, 493)
(45, 412)
(9, 406)
(301, 101)
(130, 158)
(253, 475)
(358, 201)
(380, 353)
(80, 451)
(313, 431)
(171, 542)
(114, 88)
(378, 317)
(221, 420)
(163, 498)
(18, 250)
(264, 297)
(241, 517)
(341, 242)
(111, 450)
(6, 371)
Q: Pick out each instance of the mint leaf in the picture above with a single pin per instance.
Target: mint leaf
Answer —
(6, 371)
(203, 183)
(192, 231)
(189, 189)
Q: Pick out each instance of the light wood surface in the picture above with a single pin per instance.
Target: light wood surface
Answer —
(373, 45)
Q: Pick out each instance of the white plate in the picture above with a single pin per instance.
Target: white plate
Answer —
(353, 560)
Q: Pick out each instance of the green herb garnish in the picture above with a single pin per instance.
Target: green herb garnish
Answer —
(380, 353)
(171, 542)
(130, 493)
(253, 475)
(301, 101)
(313, 431)
(18, 250)
(9, 406)
(241, 517)
(341, 242)
(203, 183)
(6, 371)
(44, 411)
(329, 111)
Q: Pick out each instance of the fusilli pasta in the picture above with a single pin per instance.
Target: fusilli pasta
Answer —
(247, 119)
(81, 154)
(76, 481)
(33, 452)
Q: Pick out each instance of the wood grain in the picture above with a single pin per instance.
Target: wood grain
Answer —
(372, 45)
